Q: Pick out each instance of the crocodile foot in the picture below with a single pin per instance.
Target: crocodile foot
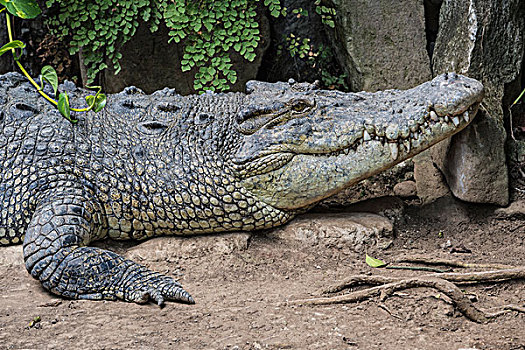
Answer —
(55, 253)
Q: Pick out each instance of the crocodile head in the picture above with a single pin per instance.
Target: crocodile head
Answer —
(299, 145)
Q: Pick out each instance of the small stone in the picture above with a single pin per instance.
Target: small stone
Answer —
(405, 189)
(446, 245)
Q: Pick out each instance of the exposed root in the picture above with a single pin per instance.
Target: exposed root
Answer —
(414, 268)
(449, 262)
(459, 278)
(383, 306)
(443, 282)
(506, 309)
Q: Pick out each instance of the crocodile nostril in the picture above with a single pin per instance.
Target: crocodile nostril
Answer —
(128, 104)
(25, 108)
(169, 107)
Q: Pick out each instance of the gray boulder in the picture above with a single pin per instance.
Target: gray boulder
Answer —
(354, 231)
(485, 40)
(382, 43)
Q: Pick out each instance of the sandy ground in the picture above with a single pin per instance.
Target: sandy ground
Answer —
(242, 282)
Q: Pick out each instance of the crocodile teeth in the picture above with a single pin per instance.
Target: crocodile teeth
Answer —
(455, 120)
(366, 136)
(394, 150)
(407, 145)
(466, 116)
(404, 132)
(447, 119)
(434, 116)
(392, 132)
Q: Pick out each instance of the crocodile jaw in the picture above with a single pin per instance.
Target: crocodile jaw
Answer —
(309, 178)
(343, 149)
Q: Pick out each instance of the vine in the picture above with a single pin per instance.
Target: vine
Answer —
(28, 9)
(327, 13)
(209, 30)
(319, 58)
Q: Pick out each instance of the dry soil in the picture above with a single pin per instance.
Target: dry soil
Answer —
(242, 283)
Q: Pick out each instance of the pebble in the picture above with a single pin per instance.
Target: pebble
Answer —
(405, 189)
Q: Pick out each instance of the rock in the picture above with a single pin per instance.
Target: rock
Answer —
(485, 40)
(166, 248)
(430, 183)
(405, 189)
(382, 43)
(476, 168)
(446, 244)
(355, 231)
(515, 209)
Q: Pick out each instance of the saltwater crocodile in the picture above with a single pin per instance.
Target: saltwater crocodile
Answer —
(163, 164)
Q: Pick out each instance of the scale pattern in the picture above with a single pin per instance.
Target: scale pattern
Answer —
(121, 174)
(164, 164)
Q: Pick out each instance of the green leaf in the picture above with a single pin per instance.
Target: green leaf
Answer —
(232, 77)
(250, 56)
(63, 106)
(50, 75)
(22, 8)
(372, 262)
(209, 26)
(98, 102)
(16, 44)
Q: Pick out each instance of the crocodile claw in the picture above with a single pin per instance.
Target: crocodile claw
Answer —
(152, 286)
(167, 291)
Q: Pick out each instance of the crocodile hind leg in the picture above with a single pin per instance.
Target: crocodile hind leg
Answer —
(55, 253)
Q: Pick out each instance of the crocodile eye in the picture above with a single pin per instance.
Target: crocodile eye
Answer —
(203, 118)
(300, 106)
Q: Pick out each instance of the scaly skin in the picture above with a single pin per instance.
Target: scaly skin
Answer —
(164, 164)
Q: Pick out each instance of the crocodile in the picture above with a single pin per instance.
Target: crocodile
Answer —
(165, 164)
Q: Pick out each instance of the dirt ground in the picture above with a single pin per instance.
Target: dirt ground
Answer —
(242, 283)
